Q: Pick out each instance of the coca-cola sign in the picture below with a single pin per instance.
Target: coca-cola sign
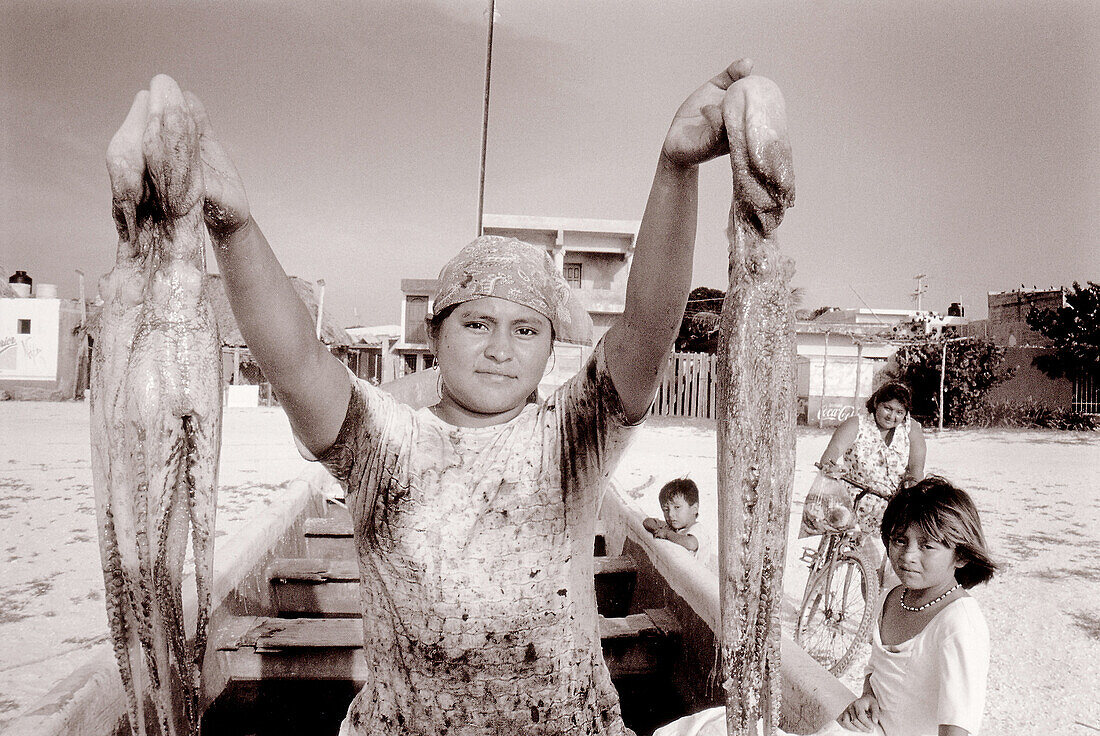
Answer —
(836, 413)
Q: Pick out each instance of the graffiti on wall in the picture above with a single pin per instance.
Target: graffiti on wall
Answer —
(25, 357)
(8, 351)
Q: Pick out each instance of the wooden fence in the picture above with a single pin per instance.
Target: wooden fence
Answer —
(690, 388)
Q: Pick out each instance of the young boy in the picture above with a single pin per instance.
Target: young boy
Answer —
(680, 503)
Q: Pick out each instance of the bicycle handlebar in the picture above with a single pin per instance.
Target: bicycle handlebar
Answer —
(864, 489)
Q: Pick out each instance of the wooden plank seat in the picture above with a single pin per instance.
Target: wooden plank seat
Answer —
(330, 587)
(331, 537)
(257, 648)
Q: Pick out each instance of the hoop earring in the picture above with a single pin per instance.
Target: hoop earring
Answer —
(439, 384)
(553, 364)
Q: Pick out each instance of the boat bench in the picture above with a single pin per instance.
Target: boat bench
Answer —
(257, 648)
(329, 587)
(331, 537)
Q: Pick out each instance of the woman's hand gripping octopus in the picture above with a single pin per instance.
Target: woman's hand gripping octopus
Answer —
(156, 408)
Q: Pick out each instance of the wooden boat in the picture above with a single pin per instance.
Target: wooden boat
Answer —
(285, 653)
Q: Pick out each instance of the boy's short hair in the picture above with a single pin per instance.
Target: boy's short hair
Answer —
(948, 515)
(685, 488)
(891, 391)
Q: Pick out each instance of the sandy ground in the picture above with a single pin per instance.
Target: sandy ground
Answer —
(1039, 493)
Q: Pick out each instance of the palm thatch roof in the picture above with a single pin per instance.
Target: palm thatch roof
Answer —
(331, 331)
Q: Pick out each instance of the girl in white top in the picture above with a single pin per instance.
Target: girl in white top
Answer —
(930, 649)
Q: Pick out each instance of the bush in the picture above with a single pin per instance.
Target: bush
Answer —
(973, 368)
(1032, 415)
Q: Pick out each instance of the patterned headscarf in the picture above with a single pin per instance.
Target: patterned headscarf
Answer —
(511, 269)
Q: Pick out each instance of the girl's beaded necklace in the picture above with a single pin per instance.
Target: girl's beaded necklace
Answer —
(930, 603)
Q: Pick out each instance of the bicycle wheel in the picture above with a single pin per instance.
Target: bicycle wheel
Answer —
(837, 612)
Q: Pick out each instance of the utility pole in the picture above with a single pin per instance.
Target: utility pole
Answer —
(83, 303)
(921, 288)
(319, 288)
(485, 116)
(943, 374)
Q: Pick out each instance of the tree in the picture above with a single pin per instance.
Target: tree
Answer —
(699, 327)
(1075, 331)
(973, 368)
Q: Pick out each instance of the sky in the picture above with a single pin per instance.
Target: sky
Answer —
(952, 139)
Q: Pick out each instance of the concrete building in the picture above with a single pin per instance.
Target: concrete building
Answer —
(838, 367)
(43, 351)
(371, 355)
(1006, 325)
(1008, 310)
(593, 255)
(843, 352)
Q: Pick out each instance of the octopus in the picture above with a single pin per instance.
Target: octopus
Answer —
(156, 412)
(755, 405)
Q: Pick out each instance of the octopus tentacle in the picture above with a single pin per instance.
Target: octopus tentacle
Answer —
(201, 484)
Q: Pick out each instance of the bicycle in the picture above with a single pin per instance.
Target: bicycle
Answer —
(834, 619)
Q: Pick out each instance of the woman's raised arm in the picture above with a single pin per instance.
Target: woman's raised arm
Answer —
(312, 385)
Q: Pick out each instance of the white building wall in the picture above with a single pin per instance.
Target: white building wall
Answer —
(33, 356)
(828, 375)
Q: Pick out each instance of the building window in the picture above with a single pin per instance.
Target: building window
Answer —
(416, 309)
(573, 274)
(24, 327)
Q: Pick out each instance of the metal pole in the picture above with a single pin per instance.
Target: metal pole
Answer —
(485, 116)
(824, 370)
(83, 303)
(859, 365)
(320, 305)
(943, 372)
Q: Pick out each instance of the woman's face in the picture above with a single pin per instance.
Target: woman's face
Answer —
(889, 414)
(492, 354)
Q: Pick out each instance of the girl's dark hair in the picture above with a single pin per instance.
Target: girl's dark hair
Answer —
(685, 488)
(891, 391)
(948, 515)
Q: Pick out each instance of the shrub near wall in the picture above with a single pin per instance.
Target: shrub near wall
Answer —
(1031, 414)
(973, 368)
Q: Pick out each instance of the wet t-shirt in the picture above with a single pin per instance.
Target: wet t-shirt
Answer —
(475, 554)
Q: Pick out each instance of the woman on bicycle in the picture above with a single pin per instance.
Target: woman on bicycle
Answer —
(881, 449)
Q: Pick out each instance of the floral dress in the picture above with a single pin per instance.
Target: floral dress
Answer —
(873, 463)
